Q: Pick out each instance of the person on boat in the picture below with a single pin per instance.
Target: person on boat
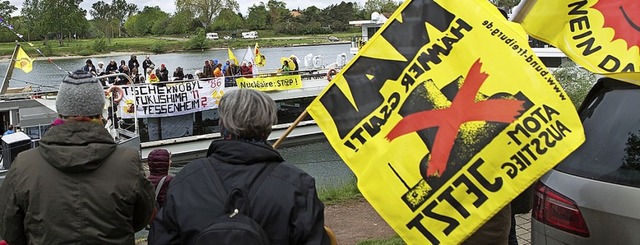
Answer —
(207, 70)
(147, 63)
(89, 67)
(112, 68)
(294, 59)
(245, 70)
(133, 62)
(285, 68)
(178, 74)
(122, 65)
(217, 71)
(163, 73)
(78, 186)
(9, 130)
(285, 204)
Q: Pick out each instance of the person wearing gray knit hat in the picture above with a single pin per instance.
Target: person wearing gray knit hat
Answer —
(80, 94)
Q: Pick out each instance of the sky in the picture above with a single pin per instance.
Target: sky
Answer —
(169, 5)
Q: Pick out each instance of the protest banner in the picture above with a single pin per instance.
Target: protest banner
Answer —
(163, 100)
(603, 36)
(444, 116)
(270, 83)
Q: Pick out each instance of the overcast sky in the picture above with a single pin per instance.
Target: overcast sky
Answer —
(169, 5)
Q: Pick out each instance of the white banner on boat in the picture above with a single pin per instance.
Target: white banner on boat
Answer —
(160, 100)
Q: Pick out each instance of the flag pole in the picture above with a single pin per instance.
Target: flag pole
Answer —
(291, 127)
(7, 77)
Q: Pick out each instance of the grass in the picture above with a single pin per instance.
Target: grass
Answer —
(339, 194)
(87, 47)
(394, 240)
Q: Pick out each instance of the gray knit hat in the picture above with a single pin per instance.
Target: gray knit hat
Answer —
(80, 94)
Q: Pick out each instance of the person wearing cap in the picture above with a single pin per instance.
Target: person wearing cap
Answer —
(159, 161)
(285, 203)
(78, 186)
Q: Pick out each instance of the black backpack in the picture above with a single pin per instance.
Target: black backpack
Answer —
(235, 226)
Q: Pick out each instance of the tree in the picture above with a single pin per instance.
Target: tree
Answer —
(340, 15)
(206, 10)
(6, 9)
(278, 12)
(149, 20)
(227, 20)
(380, 6)
(182, 22)
(62, 18)
(121, 10)
(575, 81)
(258, 17)
(101, 13)
(506, 5)
(30, 12)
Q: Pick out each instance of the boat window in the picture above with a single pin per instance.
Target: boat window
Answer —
(371, 31)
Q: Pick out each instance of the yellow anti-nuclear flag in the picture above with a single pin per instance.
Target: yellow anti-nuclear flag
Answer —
(444, 116)
(232, 57)
(601, 35)
(23, 61)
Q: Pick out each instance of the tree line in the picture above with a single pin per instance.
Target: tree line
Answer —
(64, 19)
(44, 20)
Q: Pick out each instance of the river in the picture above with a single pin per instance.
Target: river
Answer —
(46, 73)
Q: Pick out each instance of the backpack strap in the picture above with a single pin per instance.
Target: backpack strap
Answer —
(255, 185)
(159, 186)
(217, 183)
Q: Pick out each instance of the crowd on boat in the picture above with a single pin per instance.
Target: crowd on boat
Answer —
(148, 73)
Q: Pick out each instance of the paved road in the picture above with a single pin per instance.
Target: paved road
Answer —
(523, 228)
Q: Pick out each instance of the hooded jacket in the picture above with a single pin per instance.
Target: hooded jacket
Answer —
(77, 187)
(286, 205)
(158, 161)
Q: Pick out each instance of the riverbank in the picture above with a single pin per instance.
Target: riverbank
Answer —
(74, 48)
(7, 57)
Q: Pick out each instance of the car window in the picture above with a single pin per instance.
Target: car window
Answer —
(611, 152)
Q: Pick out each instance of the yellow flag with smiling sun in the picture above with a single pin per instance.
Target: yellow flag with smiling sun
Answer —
(603, 36)
(23, 61)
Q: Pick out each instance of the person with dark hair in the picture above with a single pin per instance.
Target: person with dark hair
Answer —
(284, 204)
(9, 130)
(89, 67)
(78, 186)
(146, 65)
(178, 74)
(133, 62)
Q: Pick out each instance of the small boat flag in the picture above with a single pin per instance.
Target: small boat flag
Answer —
(23, 61)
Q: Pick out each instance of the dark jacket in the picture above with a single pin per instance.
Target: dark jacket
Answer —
(158, 161)
(77, 187)
(133, 62)
(286, 204)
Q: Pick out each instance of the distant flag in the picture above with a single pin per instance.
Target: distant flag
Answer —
(232, 57)
(23, 61)
(598, 35)
(249, 58)
(259, 57)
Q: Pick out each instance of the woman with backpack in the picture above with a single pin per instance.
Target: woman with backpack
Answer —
(243, 192)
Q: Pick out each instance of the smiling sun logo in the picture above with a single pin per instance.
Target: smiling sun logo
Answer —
(624, 17)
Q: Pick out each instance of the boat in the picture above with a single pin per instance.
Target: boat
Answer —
(550, 56)
(188, 135)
